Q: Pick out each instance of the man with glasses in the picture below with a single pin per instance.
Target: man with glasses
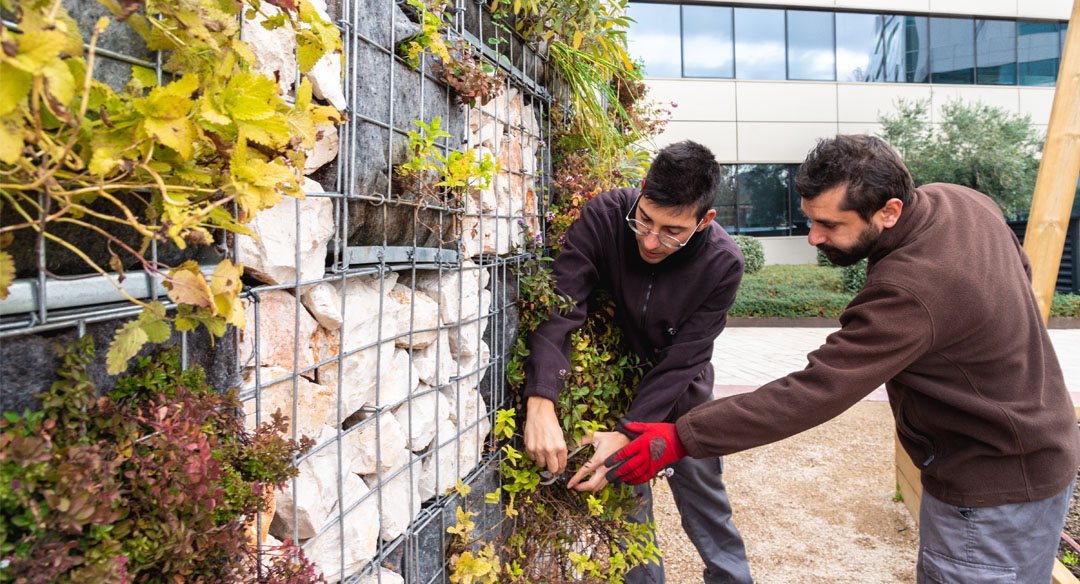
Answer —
(673, 274)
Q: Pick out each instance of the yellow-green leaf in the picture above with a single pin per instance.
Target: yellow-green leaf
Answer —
(37, 48)
(187, 285)
(11, 137)
(178, 134)
(309, 50)
(60, 83)
(126, 344)
(15, 87)
(153, 323)
(143, 77)
(7, 273)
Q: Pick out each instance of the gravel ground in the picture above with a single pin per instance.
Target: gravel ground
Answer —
(817, 507)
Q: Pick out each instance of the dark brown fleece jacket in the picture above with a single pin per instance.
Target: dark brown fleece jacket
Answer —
(948, 321)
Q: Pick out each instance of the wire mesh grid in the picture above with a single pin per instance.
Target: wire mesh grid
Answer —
(385, 335)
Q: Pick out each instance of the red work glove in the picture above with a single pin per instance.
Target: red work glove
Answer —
(656, 446)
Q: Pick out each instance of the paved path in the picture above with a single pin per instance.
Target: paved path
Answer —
(747, 357)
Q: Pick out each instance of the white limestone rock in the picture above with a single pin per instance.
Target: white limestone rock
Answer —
(473, 440)
(434, 365)
(359, 372)
(465, 339)
(400, 500)
(439, 469)
(466, 405)
(275, 50)
(277, 330)
(420, 416)
(326, 148)
(383, 576)
(359, 543)
(316, 491)
(377, 446)
(456, 291)
(324, 303)
(417, 312)
(474, 368)
(315, 404)
(270, 256)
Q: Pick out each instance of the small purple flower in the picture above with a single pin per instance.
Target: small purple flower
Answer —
(616, 173)
(538, 238)
(541, 143)
(673, 104)
(521, 222)
(668, 472)
(562, 372)
(562, 239)
(551, 216)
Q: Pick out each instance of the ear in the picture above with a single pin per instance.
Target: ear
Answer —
(891, 212)
(708, 219)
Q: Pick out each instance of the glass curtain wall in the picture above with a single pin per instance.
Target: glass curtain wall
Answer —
(707, 41)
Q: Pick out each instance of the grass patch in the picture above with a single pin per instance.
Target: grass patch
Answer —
(810, 290)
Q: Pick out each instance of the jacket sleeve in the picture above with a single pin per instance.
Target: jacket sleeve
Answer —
(689, 352)
(576, 275)
(883, 330)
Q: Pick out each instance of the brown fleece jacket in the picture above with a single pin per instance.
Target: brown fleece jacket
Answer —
(948, 321)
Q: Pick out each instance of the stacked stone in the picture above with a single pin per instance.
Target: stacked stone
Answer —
(399, 413)
(498, 218)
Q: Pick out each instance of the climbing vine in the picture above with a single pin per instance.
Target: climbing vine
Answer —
(177, 160)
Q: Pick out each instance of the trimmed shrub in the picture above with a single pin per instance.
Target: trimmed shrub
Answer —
(855, 277)
(752, 252)
(822, 260)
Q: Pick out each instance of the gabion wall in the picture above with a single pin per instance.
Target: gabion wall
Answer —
(380, 335)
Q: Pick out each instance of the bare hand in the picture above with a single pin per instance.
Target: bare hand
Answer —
(604, 445)
(544, 441)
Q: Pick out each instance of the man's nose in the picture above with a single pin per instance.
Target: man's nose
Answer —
(652, 241)
(815, 237)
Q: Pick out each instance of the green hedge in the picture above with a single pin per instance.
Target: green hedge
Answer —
(791, 291)
(809, 290)
(752, 252)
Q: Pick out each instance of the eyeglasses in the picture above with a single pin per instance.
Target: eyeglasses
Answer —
(668, 241)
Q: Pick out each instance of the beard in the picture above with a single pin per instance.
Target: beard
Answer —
(865, 242)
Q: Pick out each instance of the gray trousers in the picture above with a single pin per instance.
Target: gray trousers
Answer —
(1013, 543)
(698, 488)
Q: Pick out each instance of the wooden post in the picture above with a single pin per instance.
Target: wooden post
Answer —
(1056, 183)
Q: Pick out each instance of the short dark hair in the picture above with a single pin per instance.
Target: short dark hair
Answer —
(683, 175)
(871, 169)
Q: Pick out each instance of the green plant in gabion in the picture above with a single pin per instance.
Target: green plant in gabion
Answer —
(752, 252)
(855, 277)
(823, 260)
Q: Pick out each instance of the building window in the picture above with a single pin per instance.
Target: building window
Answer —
(995, 52)
(759, 44)
(763, 200)
(820, 45)
(708, 41)
(860, 50)
(655, 38)
(1037, 52)
(811, 51)
(952, 50)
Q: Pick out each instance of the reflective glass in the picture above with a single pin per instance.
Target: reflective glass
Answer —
(995, 52)
(952, 50)
(654, 38)
(800, 224)
(725, 216)
(759, 44)
(763, 199)
(1037, 48)
(1061, 49)
(726, 194)
(810, 52)
(906, 45)
(708, 42)
(859, 50)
